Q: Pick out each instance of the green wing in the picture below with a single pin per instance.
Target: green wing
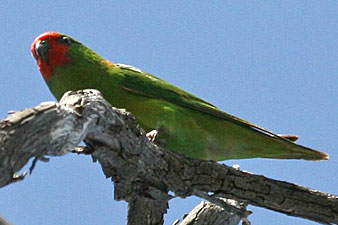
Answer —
(141, 83)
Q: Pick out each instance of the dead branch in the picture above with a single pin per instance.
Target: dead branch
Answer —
(143, 173)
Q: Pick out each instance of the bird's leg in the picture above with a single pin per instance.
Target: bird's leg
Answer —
(152, 135)
(158, 136)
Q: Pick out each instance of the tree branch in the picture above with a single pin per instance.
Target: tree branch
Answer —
(143, 173)
(207, 213)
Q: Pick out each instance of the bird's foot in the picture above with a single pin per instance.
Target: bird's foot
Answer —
(159, 136)
(152, 135)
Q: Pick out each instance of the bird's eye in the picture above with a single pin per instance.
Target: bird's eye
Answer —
(66, 40)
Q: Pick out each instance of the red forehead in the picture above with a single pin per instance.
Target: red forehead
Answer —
(48, 35)
(56, 53)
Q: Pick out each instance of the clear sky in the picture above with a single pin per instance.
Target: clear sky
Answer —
(274, 63)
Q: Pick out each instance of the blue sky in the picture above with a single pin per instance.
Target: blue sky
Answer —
(274, 63)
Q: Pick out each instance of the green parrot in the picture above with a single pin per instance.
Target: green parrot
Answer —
(185, 123)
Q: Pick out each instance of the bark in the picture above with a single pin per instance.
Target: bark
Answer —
(3, 221)
(207, 213)
(143, 173)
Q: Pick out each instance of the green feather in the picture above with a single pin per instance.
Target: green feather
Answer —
(186, 123)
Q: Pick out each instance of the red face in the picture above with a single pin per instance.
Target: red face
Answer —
(50, 51)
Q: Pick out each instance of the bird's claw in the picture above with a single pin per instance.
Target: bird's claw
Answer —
(152, 135)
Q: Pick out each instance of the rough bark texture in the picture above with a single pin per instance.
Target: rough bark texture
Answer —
(143, 173)
(207, 213)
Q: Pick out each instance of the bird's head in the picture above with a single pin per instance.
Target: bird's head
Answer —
(50, 51)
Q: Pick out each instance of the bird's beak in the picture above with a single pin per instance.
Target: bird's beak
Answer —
(41, 49)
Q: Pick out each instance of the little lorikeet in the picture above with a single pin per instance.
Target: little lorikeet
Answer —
(186, 123)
